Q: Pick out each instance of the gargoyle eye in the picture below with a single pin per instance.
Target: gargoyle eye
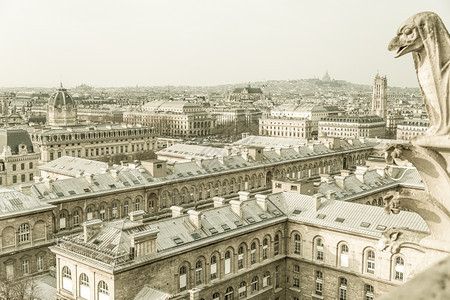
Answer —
(407, 31)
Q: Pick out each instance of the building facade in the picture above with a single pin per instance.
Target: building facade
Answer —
(350, 126)
(287, 127)
(409, 129)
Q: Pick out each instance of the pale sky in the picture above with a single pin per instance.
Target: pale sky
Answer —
(203, 42)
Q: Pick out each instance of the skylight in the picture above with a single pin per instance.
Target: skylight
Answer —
(340, 220)
(276, 212)
(263, 216)
(381, 227)
(365, 224)
(321, 216)
(225, 227)
(213, 230)
(195, 235)
(238, 223)
(251, 220)
(296, 212)
(178, 241)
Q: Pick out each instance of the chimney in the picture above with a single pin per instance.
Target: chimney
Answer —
(256, 153)
(345, 173)
(137, 216)
(243, 196)
(26, 189)
(89, 178)
(261, 200)
(229, 150)
(90, 228)
(199, 162)
(278, 150)
(317, 200)
(48, 184)
(176, 211)
(157, 168)
(103, 170)
(381, 171)
(350, 141)
(194, 294)
(236, 207)
(359, 173)
(144, 242)
(324, 177)
(196, 218)
(244, 155)
(218, 201)
(331, 195)
(37, 179)
(115, 174)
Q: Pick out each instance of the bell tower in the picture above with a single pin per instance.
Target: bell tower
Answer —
(379, 97)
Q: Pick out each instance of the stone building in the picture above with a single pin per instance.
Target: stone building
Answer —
(18, 157)
(353, 126)
(408, 129)
(379, 97)
(287, 127)
(173, 118)
(61, 109)
(247, 94)
(26, 232)
(278, 246)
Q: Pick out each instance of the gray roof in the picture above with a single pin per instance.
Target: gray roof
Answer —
(13, 137)
(72, 166)
(14, 203)
(149, 293)
(61, 98)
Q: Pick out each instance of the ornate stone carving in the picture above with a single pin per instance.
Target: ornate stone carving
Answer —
(425, 36)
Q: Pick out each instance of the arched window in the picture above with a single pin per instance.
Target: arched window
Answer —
(66, 279)
(84, 286)
(276, 244)
(319, 283)
(216, 296)
(227, 262)
(344, 255)
(370, 261)
(241, 257)
(342, 288)
(297, 243)
(183, 278)
(114, 210)
(89, 214)
(198, 272)
(369, 291)
(102, 212)
(266, 279)
(76, 218)
(125, 208)
(103, 291)
(229, 293)
(319, 249)
(24, 233)
(62, 220)
(242, 289)
(255, 286)
(253, 253)
(265, 248)
(213, 267)
(399, 268)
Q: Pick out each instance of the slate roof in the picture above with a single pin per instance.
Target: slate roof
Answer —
(71, 166)
(149, 293)
(14, 203)
(13, 137)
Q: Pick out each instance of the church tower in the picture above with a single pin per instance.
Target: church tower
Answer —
(379, 97)
(62, 109)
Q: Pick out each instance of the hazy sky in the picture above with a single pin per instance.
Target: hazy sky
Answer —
(202, 42)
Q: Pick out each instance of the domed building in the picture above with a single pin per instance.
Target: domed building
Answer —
(62, 109)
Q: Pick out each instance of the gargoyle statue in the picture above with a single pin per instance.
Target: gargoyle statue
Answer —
(425, 36)
(390, 241)
(391, 203)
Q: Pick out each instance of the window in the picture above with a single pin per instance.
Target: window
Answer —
(84, 286)
(255, 284)
(253, 253)
(22, 166)
(67, 279)
(242, 289)
(40, 263)
(398, 268)
(125, 208)
(369, 292)
(319, 283)
(296, 282)
(30, 165)
(62, 220)
(31, 177)
(15, 179)
(114, 210)
(137, 204)
(76, 218)
(297, 243)
(183, 278)
(103, 291)
(216, 296)
(229, 293)
(213, 267)
(102, 212)
(198, 272)
(24, 233)
(89, 214)
(265, 248)
(344, 255)
(319, 249)
(22, 178)
(277, 277)
(14, 167)
(241, 257)
(276, 244)
(370, 264)
(266, 279)
(342, 288)
(25, 267)
(227, 262)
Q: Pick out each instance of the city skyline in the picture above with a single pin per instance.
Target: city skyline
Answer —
(203, 43)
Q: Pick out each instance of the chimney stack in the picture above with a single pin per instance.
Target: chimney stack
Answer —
(137, 216)
(90, 228)
(196, 218)
(381, 171)
(89, 178)
(261, 200)
(144, 242)
(243, 196)
(26, 189)
(359, 173)
(318, 200)
(48, 184)
(115, 174)
(236, 207)
(219, 201)
(331, 195)
(176, 211)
